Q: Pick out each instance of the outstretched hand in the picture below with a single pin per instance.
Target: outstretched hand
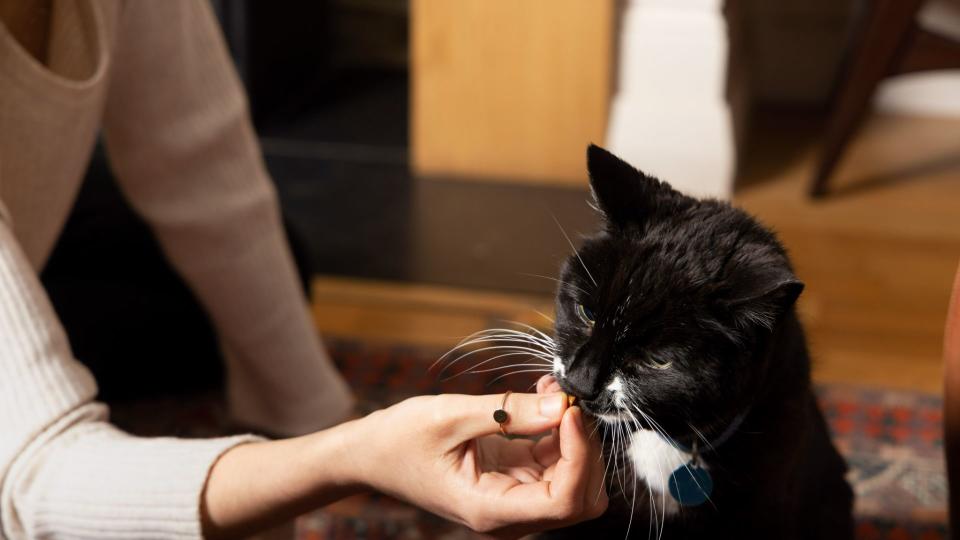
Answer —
(445, 454)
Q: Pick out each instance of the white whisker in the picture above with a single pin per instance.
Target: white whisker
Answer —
(503, 333)
(500, 368)
(539, 334)
(547, 317)
(633, 492)
(560, 281)
(702, 437)
(575, 252)
(513, 336)
(520, 371)
(517, 348)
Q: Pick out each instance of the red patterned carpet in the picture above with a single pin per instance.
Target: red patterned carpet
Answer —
(892, 440)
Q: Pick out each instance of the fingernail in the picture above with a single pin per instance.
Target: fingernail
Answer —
(550, 406)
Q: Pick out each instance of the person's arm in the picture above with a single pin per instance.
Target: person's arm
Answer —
(64, 470)
(179, 138)
(434, 451)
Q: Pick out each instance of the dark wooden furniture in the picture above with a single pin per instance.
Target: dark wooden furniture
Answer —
(889, 43)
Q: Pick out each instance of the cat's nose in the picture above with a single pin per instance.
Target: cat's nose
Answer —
(584, 381)
(581, 389)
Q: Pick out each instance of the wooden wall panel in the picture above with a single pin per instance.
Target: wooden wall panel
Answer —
(509, 89)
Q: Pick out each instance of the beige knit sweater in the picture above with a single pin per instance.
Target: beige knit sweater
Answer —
(155, 77)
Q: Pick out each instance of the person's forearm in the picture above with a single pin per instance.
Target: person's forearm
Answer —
(255, 486)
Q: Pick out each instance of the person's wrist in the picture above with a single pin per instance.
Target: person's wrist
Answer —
(342, 455)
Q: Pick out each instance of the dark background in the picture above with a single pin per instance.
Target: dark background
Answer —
(329, 95)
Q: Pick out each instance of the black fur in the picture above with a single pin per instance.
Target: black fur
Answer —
(702, 286)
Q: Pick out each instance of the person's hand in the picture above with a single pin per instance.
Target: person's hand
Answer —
(548, 384)
(445, 454)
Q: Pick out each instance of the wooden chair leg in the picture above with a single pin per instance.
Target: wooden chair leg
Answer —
(884, 37)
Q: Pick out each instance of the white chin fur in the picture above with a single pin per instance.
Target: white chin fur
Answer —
(654, 459)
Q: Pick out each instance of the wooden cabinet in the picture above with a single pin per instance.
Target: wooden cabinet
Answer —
(509, 90)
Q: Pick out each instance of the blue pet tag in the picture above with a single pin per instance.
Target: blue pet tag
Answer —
(691, 485)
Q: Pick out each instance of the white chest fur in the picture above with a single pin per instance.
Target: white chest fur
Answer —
(654, 459)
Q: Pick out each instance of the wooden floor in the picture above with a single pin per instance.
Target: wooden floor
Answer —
(878, 257)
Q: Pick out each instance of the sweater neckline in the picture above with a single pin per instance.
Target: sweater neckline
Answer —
(28, 70)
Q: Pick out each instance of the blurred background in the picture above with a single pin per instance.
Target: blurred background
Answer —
(424, 150)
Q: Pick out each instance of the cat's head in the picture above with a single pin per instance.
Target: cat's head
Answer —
(668, 309)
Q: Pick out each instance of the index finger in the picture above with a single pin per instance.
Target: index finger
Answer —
(468, 417)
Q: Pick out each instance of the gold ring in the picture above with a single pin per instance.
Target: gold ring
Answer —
(500, 415)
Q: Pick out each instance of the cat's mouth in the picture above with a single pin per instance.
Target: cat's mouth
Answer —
(601, 407)
(614, 408)
(610, 405)
(556, 383)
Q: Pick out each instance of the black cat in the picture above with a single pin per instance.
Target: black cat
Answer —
(676, 329)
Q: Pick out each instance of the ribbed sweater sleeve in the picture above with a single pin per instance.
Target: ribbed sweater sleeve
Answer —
(64, 471)
(182, 145)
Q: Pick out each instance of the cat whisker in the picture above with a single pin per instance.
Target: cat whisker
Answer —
(549, 319)
(616, 447)
(701, 436)
(542, 347)
(673, 442)
(492, 333)
(518, 372)
(596, 428)
(594, 207)
(540, 360)
(633, 496)
(560, 281)
(535, 330)
(505, 339)
(504, 333)
(663, 496)
(606, 467)
(613, 455)
(657, 521)
(574, 248)
(538, 333)
(517, 348)
(498, 368)
(474, 369)
(532, 343)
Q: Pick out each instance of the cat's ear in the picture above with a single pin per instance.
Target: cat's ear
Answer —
(622, 193)
(765, 301)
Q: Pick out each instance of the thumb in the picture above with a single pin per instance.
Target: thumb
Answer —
(469, 417)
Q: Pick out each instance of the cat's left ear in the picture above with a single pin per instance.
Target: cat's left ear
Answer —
(764, 302)
(624, 194)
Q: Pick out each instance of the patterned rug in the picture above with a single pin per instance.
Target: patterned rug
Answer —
(892, 440)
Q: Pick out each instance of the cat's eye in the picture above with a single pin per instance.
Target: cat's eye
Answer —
(655, 364)
(585, 314)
